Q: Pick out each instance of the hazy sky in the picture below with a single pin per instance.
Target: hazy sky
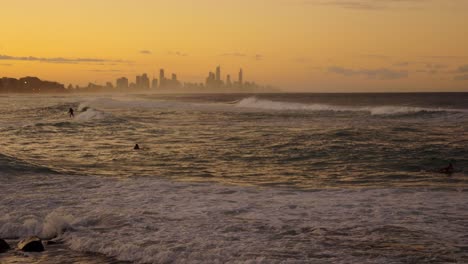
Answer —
(301, 45)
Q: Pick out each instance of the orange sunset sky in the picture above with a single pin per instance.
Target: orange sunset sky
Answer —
(297, 45)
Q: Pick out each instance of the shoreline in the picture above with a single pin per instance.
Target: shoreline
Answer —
(55, 253)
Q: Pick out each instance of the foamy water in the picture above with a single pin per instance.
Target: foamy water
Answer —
(156, 221)
(235, 180)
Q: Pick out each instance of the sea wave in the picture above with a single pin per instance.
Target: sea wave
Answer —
(9, 164)
(127, 103)
(255, 103)
(87, 113)
(156, 221)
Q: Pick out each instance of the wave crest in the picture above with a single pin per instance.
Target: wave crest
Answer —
(87, 113)
(255, 103)
(10, 164)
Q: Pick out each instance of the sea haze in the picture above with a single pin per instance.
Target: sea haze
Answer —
(267, 178)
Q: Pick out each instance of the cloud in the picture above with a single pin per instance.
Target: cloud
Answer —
(363, 4)
(376, 56)
(444, 57)
(381, 73)
(234, 54)
(462, 72)
(57, 59)
(109, 70)
(258, 57)
(462, 69)
(243, 55)
(463, 77)
(402, 64)
(145, 51)
(177, 53)
(433, 68)
(6, 64)
(301, 60)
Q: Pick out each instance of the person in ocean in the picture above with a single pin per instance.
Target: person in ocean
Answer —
(71, 113)
(136, 147)
(448, 170)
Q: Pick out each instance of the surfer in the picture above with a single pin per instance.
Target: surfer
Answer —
(136, 147)
(448, 170)
(71, 113)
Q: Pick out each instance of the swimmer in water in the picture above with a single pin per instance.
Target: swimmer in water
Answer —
(70, 112)
(448, 170)
(136, 147)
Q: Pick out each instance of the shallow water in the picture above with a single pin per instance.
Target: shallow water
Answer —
(283, 178)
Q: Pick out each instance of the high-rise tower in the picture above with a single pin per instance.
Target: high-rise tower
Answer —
(162, 79)
(241, 77)
(218, 73)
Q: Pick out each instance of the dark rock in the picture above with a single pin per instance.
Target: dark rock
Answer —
(4, 247)
(31, 244)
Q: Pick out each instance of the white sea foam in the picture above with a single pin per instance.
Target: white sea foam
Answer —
(255, 103)
(87, 113)
(156, 221)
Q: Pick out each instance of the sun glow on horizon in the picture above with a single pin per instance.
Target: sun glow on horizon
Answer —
(314, 45)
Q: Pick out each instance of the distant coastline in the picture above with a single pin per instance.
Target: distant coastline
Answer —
(30, 85)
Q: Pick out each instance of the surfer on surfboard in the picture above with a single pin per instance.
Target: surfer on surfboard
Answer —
(71, 112)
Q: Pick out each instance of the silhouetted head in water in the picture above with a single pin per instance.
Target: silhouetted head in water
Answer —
(449, 169)
(136, 147)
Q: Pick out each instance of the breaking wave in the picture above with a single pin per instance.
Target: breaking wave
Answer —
(87, 113)
(14, 165)
(255, 103)
(166, 222)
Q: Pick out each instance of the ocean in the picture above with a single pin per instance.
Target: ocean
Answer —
(236, 178)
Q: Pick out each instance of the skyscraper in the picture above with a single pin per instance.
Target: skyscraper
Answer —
(228, 80)
(162, 79)
(122, 83)
(218, 73)
(154, 83)
(144, 81)
(211, 80)
(138, 81)
(241, 77)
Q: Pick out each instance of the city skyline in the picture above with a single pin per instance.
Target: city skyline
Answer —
(212, 83)
(299, 45)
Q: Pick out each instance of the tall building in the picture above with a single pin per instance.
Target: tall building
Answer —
(154, 83)
(144, 81)
(241, 77)
(218, 73)
(211, 80)
(122, 83)
(228, 80)
(138, 82)
(174, 77)
(162, 79)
